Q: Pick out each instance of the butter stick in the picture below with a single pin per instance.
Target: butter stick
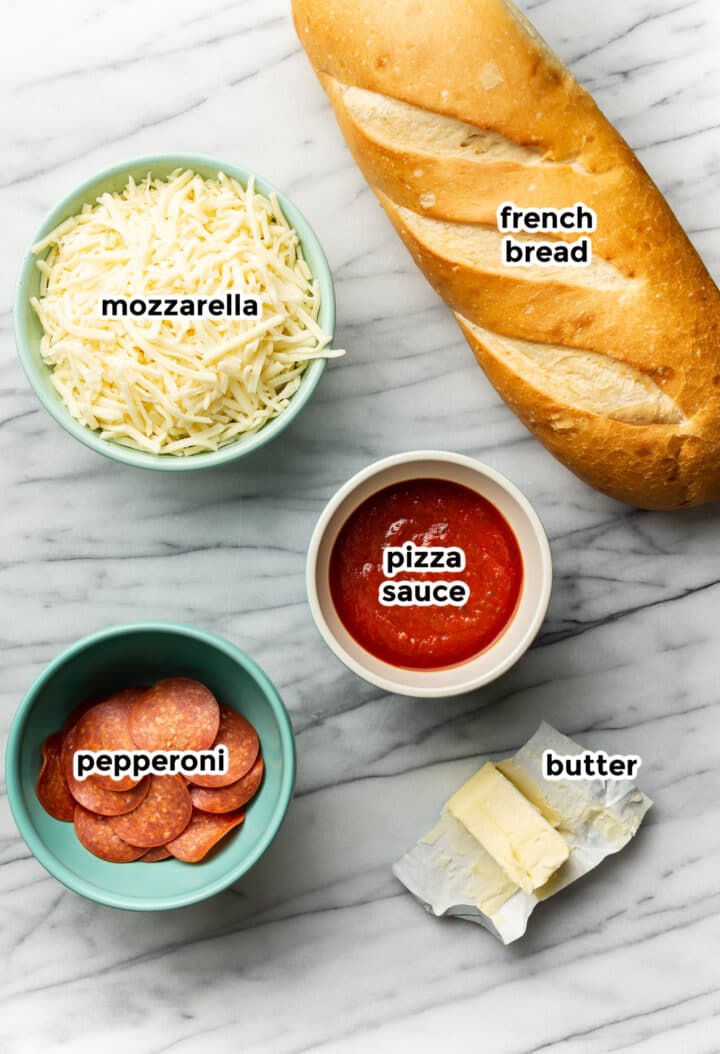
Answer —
(509, 827)
(523, 781)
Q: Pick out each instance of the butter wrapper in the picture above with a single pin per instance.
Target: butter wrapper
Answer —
(451, 874)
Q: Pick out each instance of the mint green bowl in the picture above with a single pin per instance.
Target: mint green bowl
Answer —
(28, 330)
(143, 653)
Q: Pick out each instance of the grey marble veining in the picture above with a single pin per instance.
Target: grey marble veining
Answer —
(319, 948)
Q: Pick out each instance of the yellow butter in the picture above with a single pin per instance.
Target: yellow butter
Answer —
(509, 827)
(527, 786)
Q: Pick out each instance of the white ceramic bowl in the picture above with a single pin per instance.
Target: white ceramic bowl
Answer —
(520, 632)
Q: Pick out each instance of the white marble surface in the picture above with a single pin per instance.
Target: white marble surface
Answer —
(319, 949)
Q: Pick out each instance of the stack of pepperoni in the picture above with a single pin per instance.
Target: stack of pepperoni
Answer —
(156, 817)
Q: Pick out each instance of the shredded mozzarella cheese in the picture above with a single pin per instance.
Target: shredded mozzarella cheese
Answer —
(177, 385)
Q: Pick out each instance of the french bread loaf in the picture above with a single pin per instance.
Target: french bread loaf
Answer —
(452, 107)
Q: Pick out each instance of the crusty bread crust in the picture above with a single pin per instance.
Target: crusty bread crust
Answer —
(451, 107)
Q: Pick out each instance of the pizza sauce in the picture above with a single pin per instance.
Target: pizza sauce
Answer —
(424, 520)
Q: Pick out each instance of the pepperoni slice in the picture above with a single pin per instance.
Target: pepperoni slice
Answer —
(105, 727)
(243, 745)
(153, 856)
(125, 695)
(227, 799)
(203, 832)
(52, 745)
(162, 815)
(98, 837)
(67, 750)
(105, 802)
(177, 714)
(77, 713)
(51, 787)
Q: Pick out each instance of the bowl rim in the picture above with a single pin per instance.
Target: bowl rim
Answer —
(377, 468)
(76, 883)
(144, 459)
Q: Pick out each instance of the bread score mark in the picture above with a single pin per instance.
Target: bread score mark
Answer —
(479, 246)
(582, 379)
(442, 166)
(402, 126)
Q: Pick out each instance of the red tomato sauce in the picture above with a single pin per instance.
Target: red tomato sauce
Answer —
(427, 512)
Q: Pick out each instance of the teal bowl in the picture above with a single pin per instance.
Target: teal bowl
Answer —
(28, 330)
(144, 653)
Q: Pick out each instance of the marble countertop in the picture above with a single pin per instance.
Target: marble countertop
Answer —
(319, 948)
